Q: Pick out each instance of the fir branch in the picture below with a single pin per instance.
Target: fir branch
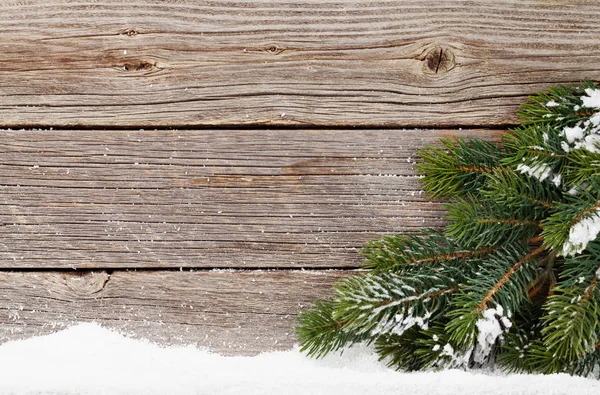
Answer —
(319, 333)
(511, 222)
(514, 190)
(473, 223)
(430, 247)
(507, 275)
(588, 364)
(458, 168)
(571, 323)
(391, 303)
(516, 352)
(572, 327)
(399, 352)
(582, 167)
(414, 350)
(515, 274)
(585, 213)
(531, 144)
(590, 290)
(537, 151)
(501, 283)
(566, 230)
(560, 106)
(544, 361)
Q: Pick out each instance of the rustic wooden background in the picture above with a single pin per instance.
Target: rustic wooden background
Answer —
(195, 171)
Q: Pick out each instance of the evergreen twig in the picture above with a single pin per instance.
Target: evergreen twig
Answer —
(513, 278)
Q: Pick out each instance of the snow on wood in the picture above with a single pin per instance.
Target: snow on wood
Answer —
(231, 312)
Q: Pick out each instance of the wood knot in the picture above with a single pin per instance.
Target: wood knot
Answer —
(273, 49)
(86, 283)
(438, 60)
(139, 66)
(130, 33)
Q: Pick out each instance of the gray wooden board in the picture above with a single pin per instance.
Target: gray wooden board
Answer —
(209, 198)
(231, 312)
(307, 62)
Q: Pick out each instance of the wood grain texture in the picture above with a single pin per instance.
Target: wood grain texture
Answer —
(208, 198)
(243, 312)
(306, 62)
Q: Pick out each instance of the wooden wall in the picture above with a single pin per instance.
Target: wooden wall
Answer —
(198, 171)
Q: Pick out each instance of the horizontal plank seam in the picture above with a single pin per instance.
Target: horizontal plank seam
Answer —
(188, 269)
(248, 127)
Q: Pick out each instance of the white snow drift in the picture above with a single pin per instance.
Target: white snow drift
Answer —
(88, 359)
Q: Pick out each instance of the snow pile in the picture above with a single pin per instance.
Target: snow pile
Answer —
(578, 137)
(592, 100)
(541, 171)
(584, 135)
(400, 322)
(89, 360)
(490, 327)
(458, 359)
(587, 134)
(574, 133)
(582, 233)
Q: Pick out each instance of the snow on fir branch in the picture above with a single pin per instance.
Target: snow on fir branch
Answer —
(513, 278)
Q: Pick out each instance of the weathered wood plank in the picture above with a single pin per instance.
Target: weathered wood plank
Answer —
(307, 62)
(243, 312)
(208, 198)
